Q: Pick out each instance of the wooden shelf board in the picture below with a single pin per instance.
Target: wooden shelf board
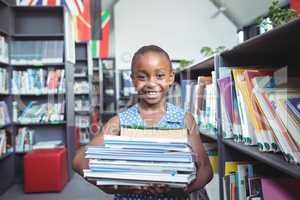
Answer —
(274, 160)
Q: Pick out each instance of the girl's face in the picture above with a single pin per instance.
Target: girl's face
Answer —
(152, 76)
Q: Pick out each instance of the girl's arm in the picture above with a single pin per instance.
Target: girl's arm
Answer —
(80, 162)
(112, 127)
(204, 169)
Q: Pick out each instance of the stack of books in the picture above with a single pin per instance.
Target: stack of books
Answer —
(141, 162)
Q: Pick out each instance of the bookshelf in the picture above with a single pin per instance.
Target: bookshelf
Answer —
(274, 49)
(7, 162)
(83, 76)
(203, 68)
(108, 78)
(127, 94)
(39, 80)
(97, 92)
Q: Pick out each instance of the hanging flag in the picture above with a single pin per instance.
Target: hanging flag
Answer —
(83, 22)
(95, 48)
(23, 2)
(79, 5)
(71, 5)
(104, 45)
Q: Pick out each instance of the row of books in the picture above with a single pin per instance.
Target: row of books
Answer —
(3, 81)
(141, 161)
(242, 180)
(84, 136)
(5, 145)
(82, 121)
(3, 49)
(38, 81)
(82, 103)
(206, 105)
(96, 89)
(37, 112)
(80, 70)
(128, 88)
(95, 99)
(27, 52)
(174, 95)
(81, 87)
(261, 106)
(198, 97)
(25, 141)
(4, 114)
(96, 78)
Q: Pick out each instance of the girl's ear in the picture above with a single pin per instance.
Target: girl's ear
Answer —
(172, 78)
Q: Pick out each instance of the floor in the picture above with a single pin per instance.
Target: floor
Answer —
(76, 189)
(79, 189)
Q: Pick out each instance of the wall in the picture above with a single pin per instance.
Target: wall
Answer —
(181, 27)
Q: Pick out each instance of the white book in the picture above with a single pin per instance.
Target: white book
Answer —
(153, 140)
(242, 173)
(135, 183)
(174, 178)
(248, 132)
(183, 166)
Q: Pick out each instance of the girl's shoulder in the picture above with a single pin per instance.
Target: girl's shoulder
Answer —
(130, 116)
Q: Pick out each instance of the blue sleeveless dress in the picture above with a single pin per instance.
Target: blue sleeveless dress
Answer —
(174, 118)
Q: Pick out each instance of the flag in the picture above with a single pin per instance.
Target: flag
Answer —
(80, 5)
(72, 7)
(40, 3)
(95, 48)
(83, 22)
(104, 45)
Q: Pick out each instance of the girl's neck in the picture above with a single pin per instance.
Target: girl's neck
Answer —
(152, 114)
(161, 106)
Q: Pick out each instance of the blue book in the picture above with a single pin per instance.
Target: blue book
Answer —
(293, 105)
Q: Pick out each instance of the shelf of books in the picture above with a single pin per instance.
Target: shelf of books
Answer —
(97, 97)
(7, 172)
(194, 91)
(258, 86)
(108, 70)
(40, 79)
(127, 93)
(83, 76)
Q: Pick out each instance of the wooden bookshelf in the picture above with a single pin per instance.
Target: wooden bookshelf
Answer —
(275, 48)
(83, 62)
(108, 82)
(275, 160)
(7, 162)
(209, 133)
(38, 24)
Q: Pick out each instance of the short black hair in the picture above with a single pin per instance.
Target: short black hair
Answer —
(149, 48)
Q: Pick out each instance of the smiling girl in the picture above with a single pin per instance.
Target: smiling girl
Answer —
(152, 76)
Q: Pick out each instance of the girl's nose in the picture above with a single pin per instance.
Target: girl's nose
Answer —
(151, 81)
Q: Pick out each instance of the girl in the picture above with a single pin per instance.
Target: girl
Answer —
(152, 76)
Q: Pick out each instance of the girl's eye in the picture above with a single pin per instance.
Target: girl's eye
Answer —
(141, 77)
(160, 76)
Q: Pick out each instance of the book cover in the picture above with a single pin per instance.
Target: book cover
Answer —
(294, 106)
(263, 131)
(280, 188)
